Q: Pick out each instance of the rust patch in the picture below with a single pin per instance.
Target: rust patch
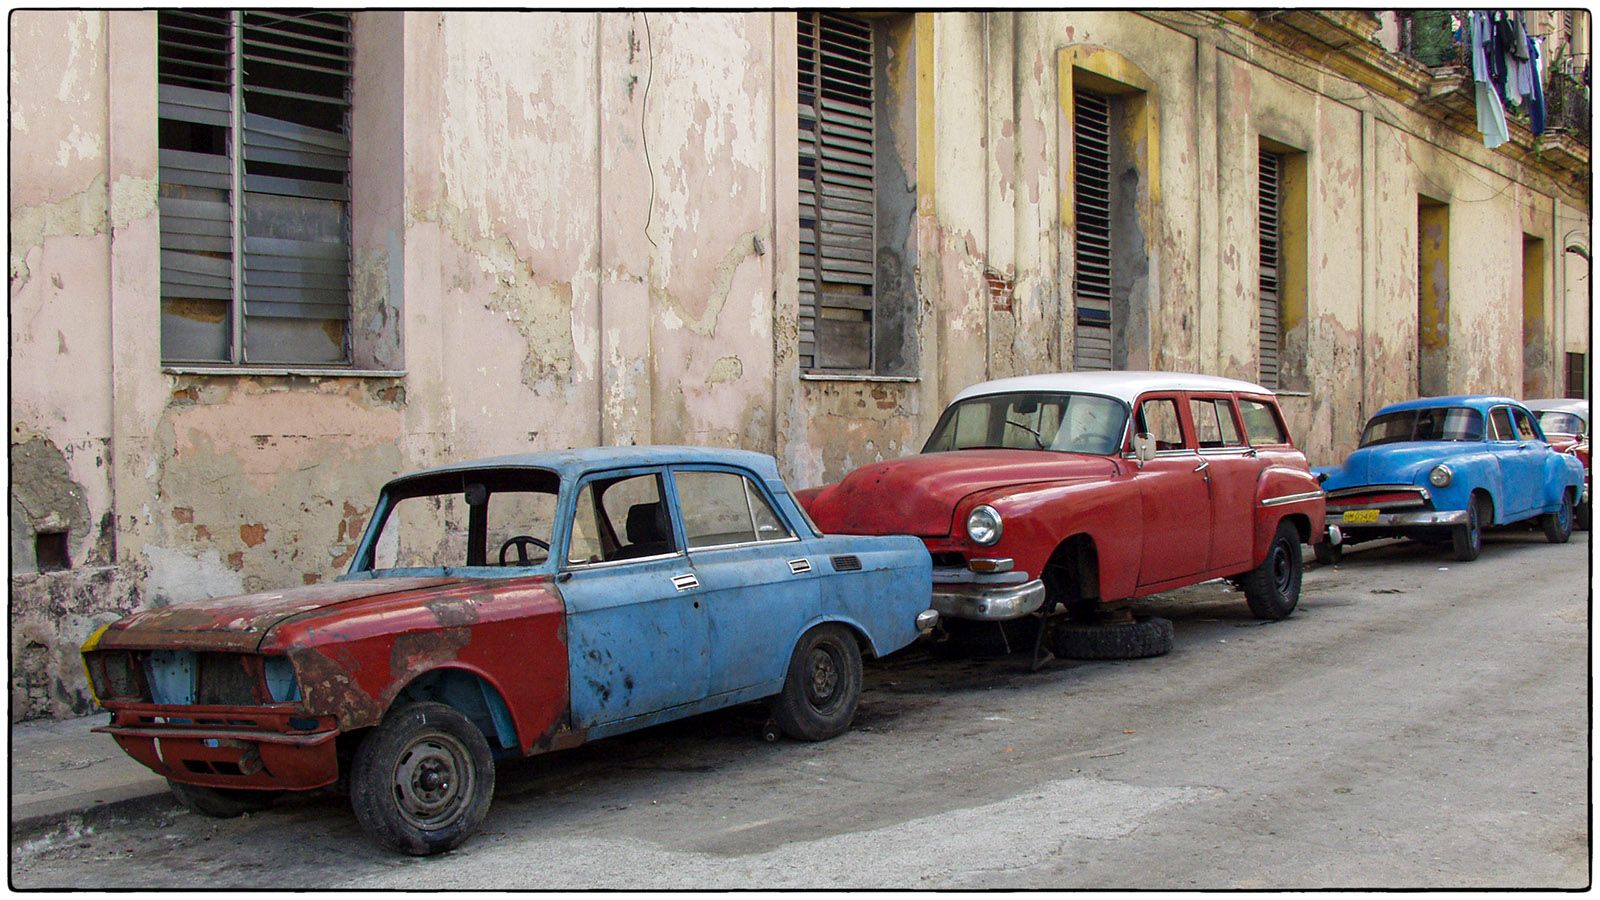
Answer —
(330, 690)
(202, 533)
(310, 578)
(236, 560)
(182, 515)
(453, 612)
(252, 535)
(419, 651)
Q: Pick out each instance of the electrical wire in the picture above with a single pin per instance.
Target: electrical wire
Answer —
(644, 137)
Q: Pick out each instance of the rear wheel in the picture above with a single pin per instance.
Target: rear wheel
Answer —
(823, 685)
(221, 803)
(1273, 588)
(1580, 517)
(1467, 539)
(1558, 525)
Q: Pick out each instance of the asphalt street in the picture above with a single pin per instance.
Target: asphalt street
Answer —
(1418, 722)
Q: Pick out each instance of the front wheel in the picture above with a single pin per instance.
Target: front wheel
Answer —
(1467, 540)
(422, 781)
(1558, 525)
(823, 685)
(1273, 588)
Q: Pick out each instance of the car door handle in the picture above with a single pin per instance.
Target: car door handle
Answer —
(1204, 465)
(799, 566)
(685, 582)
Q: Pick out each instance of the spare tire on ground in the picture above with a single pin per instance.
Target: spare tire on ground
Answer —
(1144, 636)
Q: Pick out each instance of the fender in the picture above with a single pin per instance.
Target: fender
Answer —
(861, 631)
(1285, 491)
(1037, 518)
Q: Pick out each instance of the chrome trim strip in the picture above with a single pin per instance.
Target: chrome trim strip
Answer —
(714, 547)
(963, 575)
(1291, 498)
(1374, 489)
(576, 566)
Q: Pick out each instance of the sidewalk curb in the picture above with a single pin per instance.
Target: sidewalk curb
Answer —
(132, 802)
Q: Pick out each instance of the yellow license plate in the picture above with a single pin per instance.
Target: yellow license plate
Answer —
(1361, 517)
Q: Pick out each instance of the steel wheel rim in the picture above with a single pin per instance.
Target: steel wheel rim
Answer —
(1474, 533)
(433, 781)
(1564, 515)
(1282, 568)
(823, 671)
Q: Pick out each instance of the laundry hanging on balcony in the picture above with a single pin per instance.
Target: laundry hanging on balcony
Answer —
(1488, 74)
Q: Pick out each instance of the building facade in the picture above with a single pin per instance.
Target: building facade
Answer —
(262, 262)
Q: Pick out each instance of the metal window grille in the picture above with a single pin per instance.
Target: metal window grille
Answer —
(1575, 383)
(254, 185)
(1092, 205)
(838, 208)
(1270, 204)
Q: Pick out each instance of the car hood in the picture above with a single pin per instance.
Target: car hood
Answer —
(918, 494)
(239, 623)
(1399, 463)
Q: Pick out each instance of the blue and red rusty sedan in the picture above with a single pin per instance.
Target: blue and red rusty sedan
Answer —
(508, 607)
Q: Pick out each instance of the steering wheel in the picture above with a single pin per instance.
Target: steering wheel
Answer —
(521, 542)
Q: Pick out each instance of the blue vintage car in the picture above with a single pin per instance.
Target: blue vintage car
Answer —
(507, 607)
(1442, 469)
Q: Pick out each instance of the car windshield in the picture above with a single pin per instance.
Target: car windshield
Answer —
(1560, 422)
(488, 517)
(1072, 423)
(1445, 423)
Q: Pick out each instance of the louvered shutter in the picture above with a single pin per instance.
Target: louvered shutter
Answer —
(837, 192)
(1575, 383)
(1270, 202)
(1092, 206)
(255, 108)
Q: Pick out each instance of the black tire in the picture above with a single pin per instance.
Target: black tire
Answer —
(823, 685)
(422, 780)
(1328, 553)
(1558, 525)
(1467, 540)
(1143, 637)
(1273, 588)
(1580, 517)
(221, 803)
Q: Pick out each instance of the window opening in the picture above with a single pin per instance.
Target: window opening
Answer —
(1092, 244)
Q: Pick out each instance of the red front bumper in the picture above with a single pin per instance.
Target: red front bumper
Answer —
(227, 747)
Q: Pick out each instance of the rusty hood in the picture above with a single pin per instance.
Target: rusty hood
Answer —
(918, 494)
(239, 623)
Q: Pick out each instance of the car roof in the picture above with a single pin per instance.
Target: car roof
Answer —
(1480, 402)
(1125, 386)
(573, 463)
(1579, 408)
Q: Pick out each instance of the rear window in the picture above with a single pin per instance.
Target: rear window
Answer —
(1261, 423)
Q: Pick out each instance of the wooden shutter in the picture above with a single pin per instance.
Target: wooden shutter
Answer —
(1575, 382)
(837, 192)
(1270, 203)
(1091, 134)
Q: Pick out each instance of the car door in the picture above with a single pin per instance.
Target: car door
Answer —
(636, 635)
(1533, 451)
(1174, 495)
(1235, 471)
(758, 587)
(1511, 457)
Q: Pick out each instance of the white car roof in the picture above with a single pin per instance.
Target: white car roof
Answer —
(1125, 386)
(1578, 408)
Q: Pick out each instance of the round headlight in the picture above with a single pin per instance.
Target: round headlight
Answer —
(983, 525)
(1440, 476)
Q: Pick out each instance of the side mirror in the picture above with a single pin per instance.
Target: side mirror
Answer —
(1144, 447)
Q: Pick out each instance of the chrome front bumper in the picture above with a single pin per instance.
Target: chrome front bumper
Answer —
(1419, 519)
(988, 603)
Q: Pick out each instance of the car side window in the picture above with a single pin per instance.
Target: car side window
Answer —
(1159, 419)
(1261, 423)
(1500, 417)
(620, 518)
(1213, 423)
(1525, 429)
(722, 508)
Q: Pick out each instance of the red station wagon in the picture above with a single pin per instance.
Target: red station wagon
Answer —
(1072, 493)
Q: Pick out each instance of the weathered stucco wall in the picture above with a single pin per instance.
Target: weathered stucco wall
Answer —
(599, 245)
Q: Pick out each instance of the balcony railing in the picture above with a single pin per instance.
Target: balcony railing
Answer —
(1566, 106)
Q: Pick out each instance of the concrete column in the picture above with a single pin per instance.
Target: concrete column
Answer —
(1369, 258)
(1207, 237)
